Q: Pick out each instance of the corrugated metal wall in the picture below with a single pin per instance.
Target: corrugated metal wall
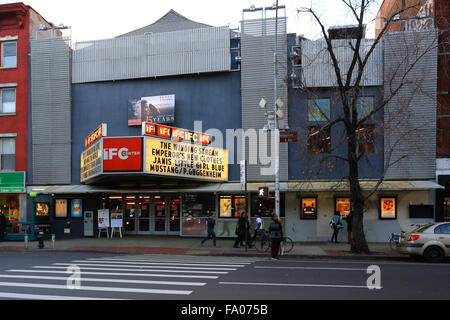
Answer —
(257, 75)
(153, 55)
(410, 118)
(51, 110)
(317, 66)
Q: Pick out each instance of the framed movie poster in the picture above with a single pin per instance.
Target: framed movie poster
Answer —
(308, 209)
(61, 208)
(343, 205)
(42, 209)
(103, 218)
(116, 219)
(388, 208)
(76, 208)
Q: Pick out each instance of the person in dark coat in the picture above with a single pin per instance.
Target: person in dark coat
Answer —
(2, 225)
(349, 220)
(242, 229)
(276, 235)
(211, 234)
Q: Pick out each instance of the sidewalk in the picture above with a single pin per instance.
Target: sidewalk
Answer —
(192, 246)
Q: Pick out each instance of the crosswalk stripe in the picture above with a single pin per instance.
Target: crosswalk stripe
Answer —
(92, 288)
(46, 297)
(137, 270)
(170, 283)
(138, 266)
(116, 273)
(170, 260)
(165, 263)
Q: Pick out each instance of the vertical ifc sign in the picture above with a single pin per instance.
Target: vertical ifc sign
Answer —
(101, 131)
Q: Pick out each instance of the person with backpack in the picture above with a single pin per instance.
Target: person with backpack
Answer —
(337, 224)
(211, 234)
(276, 235)
(258, 228)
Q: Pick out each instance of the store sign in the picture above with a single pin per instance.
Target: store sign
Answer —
(176, 134)
(12, 182)
(91, 161)
(176, 159)
(122, 154)
(154, 109)
(101, 131)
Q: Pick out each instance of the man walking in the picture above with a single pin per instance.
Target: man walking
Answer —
(258, 228)
(211, 234)
(2, 225)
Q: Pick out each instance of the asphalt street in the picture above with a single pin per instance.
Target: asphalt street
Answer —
(77, 275)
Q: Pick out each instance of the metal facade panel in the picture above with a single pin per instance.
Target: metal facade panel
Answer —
(317, 66)
(51, 110)
(153, 55)
(257, 78)
(410, 117)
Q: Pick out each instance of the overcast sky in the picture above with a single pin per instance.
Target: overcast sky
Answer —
(101, 19)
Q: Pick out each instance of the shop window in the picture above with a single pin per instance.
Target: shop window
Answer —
(198, 205)
(388, 208)
(319, 140)
(7, 100)
(422, 211)
(308, 208)
(364, 136)
(9, 205)
(7, 153)
(319, 109)
(343, 205)
(231, 206)
(447, 208)
(265, 207)
(9, 54)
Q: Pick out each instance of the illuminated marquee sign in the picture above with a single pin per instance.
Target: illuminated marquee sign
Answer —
(176, 134)
(177, 159)
(91, 161)
(97, 134)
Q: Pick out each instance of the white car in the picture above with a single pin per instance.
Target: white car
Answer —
(431, 241)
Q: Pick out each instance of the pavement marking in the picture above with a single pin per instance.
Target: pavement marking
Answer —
(136, 270)
(46, 297)
(170, 260)
(166, 263)
(117, 273)
(293, 285)
(314, 268)
(92, 288)
(170, 283)
(137, 266)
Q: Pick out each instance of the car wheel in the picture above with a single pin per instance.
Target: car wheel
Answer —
(433, 254)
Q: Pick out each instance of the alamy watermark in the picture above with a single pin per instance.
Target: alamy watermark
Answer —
(374, 279)
(74, 280)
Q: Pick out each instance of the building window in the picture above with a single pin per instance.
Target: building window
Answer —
(319, 140)
(9, 54)
(265, 207)
(319, 109)
(7, 100)
(231, 206)
(7, 154)
(364, 106)
(364, 136)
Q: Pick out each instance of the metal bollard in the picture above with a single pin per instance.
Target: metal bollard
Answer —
(53, 241)
(26, 241)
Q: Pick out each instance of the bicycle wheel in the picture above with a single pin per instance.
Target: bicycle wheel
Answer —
(288, 244)
(262, 244)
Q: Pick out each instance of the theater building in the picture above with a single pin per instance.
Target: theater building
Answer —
(146, 130)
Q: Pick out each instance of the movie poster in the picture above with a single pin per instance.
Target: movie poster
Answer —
(152, 109)
(388, 208)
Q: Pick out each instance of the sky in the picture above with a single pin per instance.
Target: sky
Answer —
(102, 19)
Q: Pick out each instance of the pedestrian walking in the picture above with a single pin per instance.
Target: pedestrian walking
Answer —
(242, 231)
(276, 235)
(258, 227)
(337, 224)
(2, 225)
(211, 234)
(349, 220)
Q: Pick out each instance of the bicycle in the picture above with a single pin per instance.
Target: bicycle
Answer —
(262, 243)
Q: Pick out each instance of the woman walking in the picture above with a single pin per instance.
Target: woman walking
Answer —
(336, 224)
(276, 235)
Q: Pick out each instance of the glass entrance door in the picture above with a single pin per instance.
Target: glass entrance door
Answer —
(144, 214)
(130, 215)
(174, 215)
(160, 215)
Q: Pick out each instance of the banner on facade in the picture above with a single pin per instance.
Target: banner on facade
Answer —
(153, 109)
(185, 160)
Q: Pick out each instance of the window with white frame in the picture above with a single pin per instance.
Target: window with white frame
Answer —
(9, 54)
(7, 100)
(7, 153)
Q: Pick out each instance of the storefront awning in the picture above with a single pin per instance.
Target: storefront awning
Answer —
(300, 186)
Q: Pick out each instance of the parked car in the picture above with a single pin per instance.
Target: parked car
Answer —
(431, 241)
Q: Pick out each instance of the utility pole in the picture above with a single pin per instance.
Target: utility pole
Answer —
(276, 131)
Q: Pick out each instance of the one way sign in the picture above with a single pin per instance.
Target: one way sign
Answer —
(263, 192)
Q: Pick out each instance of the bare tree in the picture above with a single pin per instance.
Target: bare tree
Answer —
(349, 88)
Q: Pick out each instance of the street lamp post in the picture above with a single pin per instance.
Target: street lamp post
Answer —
(276, 131)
